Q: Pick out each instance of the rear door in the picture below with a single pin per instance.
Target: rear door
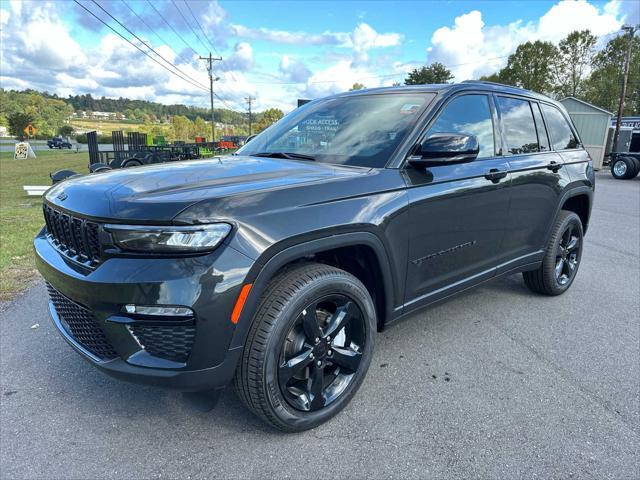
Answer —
(538, 177)
(457, 213)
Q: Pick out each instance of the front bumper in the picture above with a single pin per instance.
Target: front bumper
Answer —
(208, 284)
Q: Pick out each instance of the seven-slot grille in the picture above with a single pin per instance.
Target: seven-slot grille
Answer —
(82, 325)
(75, 237)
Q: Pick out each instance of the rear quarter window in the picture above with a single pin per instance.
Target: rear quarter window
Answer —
(562, 137)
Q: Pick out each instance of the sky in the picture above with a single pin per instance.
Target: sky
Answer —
(274, 51)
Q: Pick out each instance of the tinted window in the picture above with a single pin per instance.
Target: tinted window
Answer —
(361, 130)
(469, 114)
(543, 140)
(562, 137)
(519, 128)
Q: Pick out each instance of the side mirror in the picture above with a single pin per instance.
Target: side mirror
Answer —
(445, 148)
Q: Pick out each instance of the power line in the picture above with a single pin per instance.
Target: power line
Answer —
(188, 24)
(226, 68)
(162, 40)
(147, 45)
(136, 46)
(201, 29)
(171, 27)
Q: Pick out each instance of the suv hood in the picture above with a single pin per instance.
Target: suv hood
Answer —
(157, 193)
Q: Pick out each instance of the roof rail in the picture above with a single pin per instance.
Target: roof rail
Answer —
(491, 83)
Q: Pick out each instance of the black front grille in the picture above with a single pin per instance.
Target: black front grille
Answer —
(75, 237)
(81, 325)
(168, 342)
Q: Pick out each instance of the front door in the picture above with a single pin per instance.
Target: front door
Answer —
(457, 212)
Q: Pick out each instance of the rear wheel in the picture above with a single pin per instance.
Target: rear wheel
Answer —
(309, 347)
(562, 257)
(624, 168)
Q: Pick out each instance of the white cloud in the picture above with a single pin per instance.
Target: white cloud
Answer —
(241, 58)
(470, 48)
(290, 38)
(365, 38)
(293, 70)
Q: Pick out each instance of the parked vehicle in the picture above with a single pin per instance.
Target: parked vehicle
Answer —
(274, 268)
(58, 142)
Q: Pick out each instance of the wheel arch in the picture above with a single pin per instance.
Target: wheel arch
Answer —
(582, 201)
(580, 204)
(331, 250)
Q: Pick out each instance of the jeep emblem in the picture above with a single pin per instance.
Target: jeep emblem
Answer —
(62, 196)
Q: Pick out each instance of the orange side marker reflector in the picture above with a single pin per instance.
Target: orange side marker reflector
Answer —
(237, 309)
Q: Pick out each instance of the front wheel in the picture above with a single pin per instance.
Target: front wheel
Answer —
(561, 259)
(309, 347)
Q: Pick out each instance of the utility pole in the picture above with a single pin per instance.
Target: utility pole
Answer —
(625, 77)
(210, 59)
(249, 100)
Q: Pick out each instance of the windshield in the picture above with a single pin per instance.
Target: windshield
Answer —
(362, 130)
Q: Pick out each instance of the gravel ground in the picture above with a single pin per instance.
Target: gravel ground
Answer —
(497, 383)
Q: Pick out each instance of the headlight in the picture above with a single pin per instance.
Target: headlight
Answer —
(192, 238)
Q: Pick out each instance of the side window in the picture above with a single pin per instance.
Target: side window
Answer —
(471, 115)
(543, 140)
(562, 137)
(519, 127)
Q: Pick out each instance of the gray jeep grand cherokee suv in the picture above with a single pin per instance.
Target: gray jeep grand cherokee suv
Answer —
(275, 267)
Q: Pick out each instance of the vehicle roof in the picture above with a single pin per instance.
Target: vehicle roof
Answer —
(452, 87)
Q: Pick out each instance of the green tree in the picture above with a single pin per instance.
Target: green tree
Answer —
(529, 67)
(66, 130)
(434, 73)
(572, 63)
(17, 123)
(182, 128)
(357, 86)
(267, 118)
(200, 128)
(602, 88)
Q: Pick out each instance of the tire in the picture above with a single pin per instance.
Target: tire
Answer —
(131, 163)
(624, 168)
(280, 339)
(561, 259)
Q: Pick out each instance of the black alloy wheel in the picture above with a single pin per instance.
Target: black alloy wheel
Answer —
(561, 258)
(309, 347)
(567, 255)
(322, 353)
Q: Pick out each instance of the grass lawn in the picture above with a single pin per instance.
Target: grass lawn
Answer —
(21, 216)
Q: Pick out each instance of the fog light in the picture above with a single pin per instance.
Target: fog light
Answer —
(158, 310)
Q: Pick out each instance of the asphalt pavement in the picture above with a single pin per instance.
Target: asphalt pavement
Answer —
(497, 383)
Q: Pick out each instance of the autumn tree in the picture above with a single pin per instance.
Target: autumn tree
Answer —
(434, 73)
(267, 118)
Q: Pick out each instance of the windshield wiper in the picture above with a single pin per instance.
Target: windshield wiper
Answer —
(287, 155)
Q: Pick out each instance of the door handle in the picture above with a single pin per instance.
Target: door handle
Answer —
(554, 166)
(495, 175)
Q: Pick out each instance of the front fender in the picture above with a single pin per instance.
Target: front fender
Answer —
(269, 263)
